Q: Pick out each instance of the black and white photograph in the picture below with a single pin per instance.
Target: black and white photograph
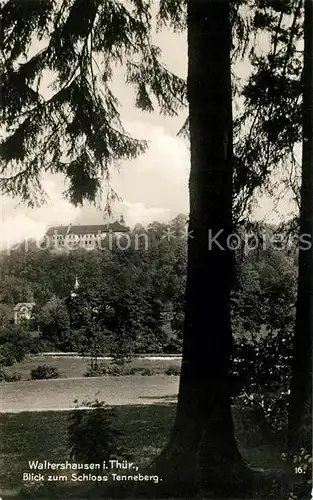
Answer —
(156, 249)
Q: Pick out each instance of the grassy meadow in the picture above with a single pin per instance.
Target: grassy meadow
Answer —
(71, 367)
(43, 435)
(145, 421)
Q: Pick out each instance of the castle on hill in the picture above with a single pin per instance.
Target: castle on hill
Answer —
(84, 236)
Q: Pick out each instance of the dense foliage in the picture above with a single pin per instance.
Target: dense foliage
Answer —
(15, 343)
(77, 131)
(44, 372)
(74, 127)
(132, 301)
(82, 46)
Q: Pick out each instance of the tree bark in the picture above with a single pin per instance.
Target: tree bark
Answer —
(300, 416)
(202, 453)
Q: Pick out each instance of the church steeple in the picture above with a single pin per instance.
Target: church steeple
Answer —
(76, 287)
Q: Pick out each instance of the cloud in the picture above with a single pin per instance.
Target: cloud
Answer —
(18, 228)
(139, 212)
(154, 186)
(158, 178)
(18, 223)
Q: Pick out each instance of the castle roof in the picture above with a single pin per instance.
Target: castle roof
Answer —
(115, 227)
(62, 230)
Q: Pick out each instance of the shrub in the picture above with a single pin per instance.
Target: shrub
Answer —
(254, 362)
(53, 321)
(15, 343)
(145, 372)
(272, 408)
(261, 377)
(13, 377)
(44, 372)
(173, 370)
(46, 345)
(93, 435)
(96, 370)
(302, 463)
(115, 370)
(174, 346)
(121, 354)
(120, 370)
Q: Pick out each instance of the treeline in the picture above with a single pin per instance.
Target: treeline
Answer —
(133, 298)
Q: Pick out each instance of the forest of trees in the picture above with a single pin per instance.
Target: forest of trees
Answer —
(143, 285)
(234, 156)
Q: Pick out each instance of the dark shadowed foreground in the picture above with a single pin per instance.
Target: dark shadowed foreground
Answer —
(43, 435)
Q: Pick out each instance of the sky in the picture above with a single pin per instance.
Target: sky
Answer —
(152, 187)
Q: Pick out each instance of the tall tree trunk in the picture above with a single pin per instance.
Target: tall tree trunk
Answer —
(300, 417)
(202, 451)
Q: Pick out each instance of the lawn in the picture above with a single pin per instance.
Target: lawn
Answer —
(146, 416)
(43, 435)
(59, 394)
(39, 436)
(72, 367)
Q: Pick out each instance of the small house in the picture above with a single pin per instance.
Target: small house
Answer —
(23, 311)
